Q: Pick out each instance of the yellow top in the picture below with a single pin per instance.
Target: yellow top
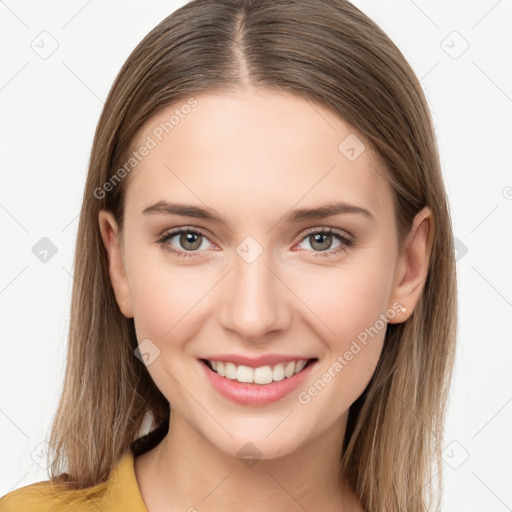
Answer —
(120, 493)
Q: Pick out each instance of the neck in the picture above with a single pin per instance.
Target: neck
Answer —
(186, 472)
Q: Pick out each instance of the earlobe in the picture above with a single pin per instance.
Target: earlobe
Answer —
(412, 267)
(111, 240)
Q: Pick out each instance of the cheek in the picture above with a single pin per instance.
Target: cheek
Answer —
(168, 297)
(349, 305)
(345, 300)
(168, 302)
(353, 307)
(165, 302)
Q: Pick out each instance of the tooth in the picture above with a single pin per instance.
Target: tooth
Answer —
(230, 371)
(278, 372)
(263, 375)
(290, 368)
(244, 374)
(299, 365)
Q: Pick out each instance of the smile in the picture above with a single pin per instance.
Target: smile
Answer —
(256, 385)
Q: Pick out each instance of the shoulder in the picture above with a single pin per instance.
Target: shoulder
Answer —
(119, 493)
(23, 499)
(46, 497)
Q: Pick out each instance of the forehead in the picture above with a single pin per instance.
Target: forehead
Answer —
(251, 150)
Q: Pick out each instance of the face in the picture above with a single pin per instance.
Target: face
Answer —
(241, 273)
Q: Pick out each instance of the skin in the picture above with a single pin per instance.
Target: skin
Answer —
(252, 156)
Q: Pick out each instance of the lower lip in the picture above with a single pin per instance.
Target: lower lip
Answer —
(255, 394)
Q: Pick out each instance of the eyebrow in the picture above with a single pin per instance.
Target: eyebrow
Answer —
(297, 215)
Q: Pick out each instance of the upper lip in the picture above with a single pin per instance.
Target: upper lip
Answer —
(256, 362)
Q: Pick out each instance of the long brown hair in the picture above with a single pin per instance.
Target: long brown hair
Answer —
(328, 52)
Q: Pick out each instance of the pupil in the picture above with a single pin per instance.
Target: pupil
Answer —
(326, 243)
(190, 238)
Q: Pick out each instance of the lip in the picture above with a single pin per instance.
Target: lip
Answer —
(255, 362)
(256, 394)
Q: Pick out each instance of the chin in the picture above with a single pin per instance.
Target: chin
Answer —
(258, 445)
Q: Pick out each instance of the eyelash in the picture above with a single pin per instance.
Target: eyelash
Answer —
(346, 243)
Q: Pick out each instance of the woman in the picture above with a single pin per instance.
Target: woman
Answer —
(265, 298)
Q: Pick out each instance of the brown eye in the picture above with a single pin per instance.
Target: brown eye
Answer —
(190, 241)
(321, 241)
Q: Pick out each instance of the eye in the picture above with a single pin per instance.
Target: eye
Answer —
(188, 240)
(321, 240)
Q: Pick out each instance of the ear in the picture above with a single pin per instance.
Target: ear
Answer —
(116, 267)
(412, 266)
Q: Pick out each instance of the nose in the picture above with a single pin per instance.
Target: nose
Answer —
(256, 301)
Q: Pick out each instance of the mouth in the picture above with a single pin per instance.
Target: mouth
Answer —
(262, 375)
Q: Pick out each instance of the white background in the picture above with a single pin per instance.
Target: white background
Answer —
(49, 110)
